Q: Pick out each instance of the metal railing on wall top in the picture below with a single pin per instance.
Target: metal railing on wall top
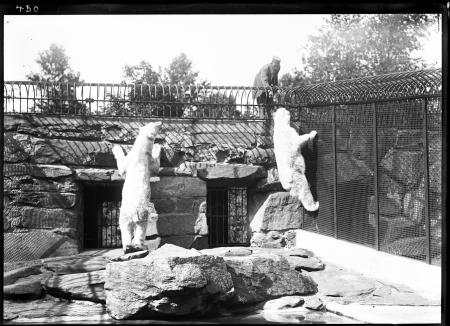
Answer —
(198, 101)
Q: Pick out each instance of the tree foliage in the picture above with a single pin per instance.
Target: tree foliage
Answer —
(169, 101)
(356, 45)
(180, 71)
(56, 79)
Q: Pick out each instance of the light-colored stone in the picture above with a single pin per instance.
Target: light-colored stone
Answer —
(314, 303)
(280, 211)
(79, 286)
(305, 253)
(132, 255)
(187, 241)
(169, 281)
(271, 239)
(291, 301)
(308, 264)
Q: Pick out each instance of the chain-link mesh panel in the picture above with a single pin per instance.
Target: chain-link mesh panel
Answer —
(401, 178)
(354, 165)
(320, 169)
(434, 127)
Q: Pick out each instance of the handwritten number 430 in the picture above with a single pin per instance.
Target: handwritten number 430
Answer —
(27, 8)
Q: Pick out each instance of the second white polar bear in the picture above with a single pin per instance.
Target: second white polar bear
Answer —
(290, 162)
(137, 167)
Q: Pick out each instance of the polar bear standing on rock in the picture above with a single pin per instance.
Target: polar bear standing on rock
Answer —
(290, 162)
(137, 167)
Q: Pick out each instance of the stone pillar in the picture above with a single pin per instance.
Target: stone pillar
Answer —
(275, 222)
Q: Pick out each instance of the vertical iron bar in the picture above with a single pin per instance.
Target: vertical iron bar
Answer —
(99, 224)
(68, 100)
(333, 127)
(20, 98)
(208, 214)
(375, 157)
(427, 180)
(217, 216)
(223, 217)
(110, 223)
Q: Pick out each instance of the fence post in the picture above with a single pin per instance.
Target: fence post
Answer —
(333, 127)
(426, 183)
(375, 176)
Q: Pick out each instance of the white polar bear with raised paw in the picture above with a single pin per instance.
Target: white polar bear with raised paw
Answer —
(137, 167)
(290, 162)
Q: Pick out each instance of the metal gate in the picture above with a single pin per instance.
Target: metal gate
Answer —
(227, 216)
(101, 223)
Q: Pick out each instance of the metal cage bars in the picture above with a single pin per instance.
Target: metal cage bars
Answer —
(209, 101)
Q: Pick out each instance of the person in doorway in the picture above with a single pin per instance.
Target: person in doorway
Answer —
(266, 77)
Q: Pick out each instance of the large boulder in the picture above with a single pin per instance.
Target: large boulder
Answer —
(263, 276)
(169, 281)
(279, 212)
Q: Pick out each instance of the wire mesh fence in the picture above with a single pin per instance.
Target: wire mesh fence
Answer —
(376, 163)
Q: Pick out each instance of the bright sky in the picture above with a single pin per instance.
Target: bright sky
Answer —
(226, 49)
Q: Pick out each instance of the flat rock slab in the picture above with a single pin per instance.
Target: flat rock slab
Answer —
(238, 252)
(75, 264)
(23, 290)
(392, 314)
(302, 315)
(51, 307)
(132, 255)
(79, 286)
(307, 264)
(231, 171)
(300, 252)
(336, 282)
(291, 301)
(11, 276)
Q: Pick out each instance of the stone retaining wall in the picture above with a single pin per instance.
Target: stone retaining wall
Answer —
(48, 160)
